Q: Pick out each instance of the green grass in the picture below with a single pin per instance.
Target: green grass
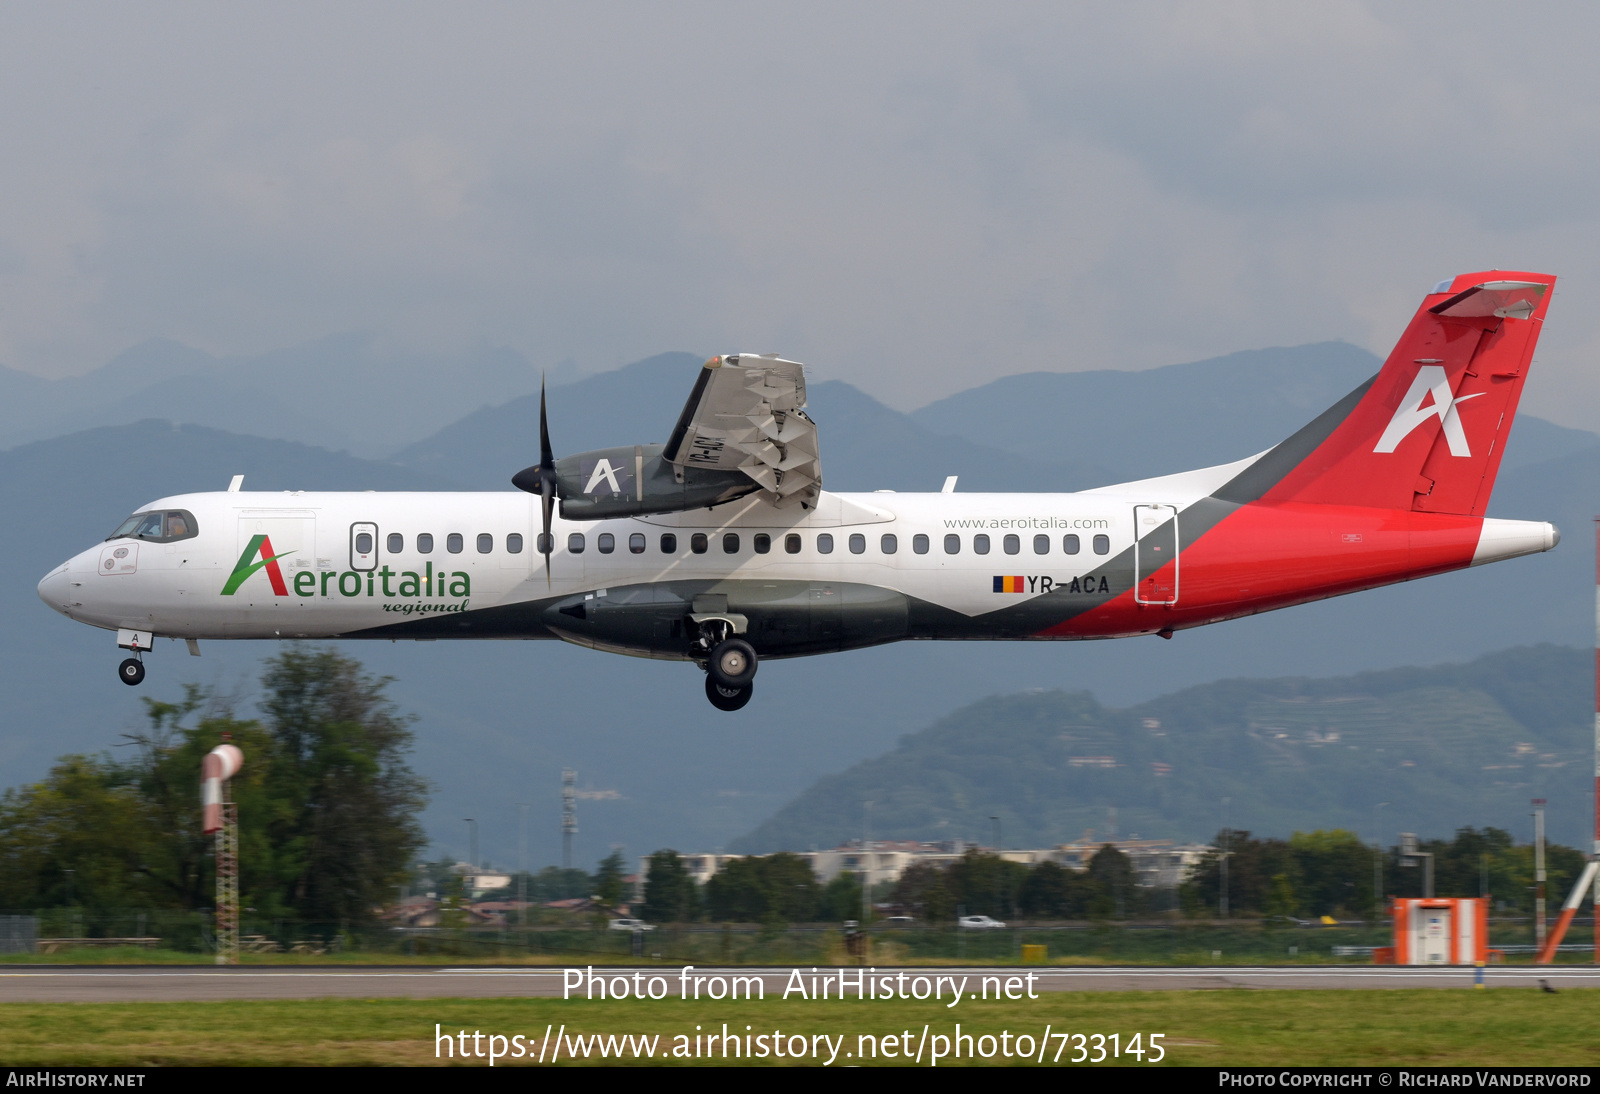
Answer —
(1234, 1027)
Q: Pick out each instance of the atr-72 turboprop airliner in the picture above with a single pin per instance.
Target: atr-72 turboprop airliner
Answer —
(720, 547)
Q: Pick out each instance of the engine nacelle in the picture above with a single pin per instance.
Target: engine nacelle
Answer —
(635, 481)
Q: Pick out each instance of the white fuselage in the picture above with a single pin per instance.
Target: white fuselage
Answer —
(177, 589)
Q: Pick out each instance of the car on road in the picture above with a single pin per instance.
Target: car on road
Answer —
(979, 923)
(631, 925)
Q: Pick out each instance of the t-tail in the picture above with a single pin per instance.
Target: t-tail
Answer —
(1389, 484)
(1428, 431)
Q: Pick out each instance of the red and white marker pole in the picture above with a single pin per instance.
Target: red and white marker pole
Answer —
(1590, 878)
(221, 764)
(1547, 951)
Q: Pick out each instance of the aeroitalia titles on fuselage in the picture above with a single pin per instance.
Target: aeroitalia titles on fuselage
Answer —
(722, 548)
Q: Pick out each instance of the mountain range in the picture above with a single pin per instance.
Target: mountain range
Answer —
(1287, 754)
(497, 721)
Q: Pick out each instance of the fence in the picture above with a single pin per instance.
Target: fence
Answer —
(1169, 942)
(18, 933)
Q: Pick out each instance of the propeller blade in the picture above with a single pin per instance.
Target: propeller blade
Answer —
(547, 480)
(541, 480)
(547, 458)
(546, 540)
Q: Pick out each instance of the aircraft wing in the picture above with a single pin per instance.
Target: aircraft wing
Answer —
(745, 414)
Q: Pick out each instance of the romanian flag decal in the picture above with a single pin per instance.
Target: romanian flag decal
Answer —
(1010, 585)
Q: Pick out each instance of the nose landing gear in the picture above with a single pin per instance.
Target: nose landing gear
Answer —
(131, 671)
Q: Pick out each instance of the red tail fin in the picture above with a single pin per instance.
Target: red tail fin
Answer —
(1429, 431)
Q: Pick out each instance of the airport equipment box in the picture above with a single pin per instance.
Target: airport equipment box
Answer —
(1438, 931)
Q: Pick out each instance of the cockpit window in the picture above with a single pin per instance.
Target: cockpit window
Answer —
(158, 527)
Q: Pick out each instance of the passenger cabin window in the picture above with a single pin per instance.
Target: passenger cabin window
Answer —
(485, 543)
(919, 543)
(730, 543)
(575, 543)
(636, 543)
(1102, 545)
(607, 543)
(1069, 544)
(669, 543)
(1012, 544)
(698, 543)
(167, 527)
(397, 543)
(452, 543)
(980, 544)
(889, 544)
(858, 543)
(424, 543)
(1041, 545)
(825, 543)
(952, 544)
(762, 543)
(514, 543)
(791, 543)
(363, 543)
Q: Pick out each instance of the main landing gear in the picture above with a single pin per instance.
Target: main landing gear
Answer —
(730, 673)
(131, 672)
(727, 698)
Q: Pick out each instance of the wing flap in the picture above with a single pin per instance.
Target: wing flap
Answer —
(745, 414)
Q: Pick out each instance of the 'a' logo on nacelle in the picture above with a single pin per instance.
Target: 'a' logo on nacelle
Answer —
(1431, 382)
(615, 478)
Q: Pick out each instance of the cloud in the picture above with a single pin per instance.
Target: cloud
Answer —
(914, 198)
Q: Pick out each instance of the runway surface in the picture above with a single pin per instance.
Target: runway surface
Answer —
(101, 984)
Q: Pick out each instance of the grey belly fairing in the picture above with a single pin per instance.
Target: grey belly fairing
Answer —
(782, 618)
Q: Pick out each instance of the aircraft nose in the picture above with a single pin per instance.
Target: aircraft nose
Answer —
(54, 588)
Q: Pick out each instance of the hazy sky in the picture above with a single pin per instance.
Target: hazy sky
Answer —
(912, 197)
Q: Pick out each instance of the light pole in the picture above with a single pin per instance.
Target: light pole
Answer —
(866, 869)
(522, 877)
(473, 859)
(1377, 864)
(997, 867)
(1410, 852)
(1538, 871)
(1223, 904)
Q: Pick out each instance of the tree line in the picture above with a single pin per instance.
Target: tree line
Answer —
(1310, 874)
(1334, 873)
(781, 888)
(328, 805)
